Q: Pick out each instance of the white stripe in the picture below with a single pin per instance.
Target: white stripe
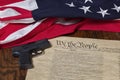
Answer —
(21, 33)
(8, 12)
(27, 4)
(25, 21)
(65, 22)
(116, 19)
(3, 24)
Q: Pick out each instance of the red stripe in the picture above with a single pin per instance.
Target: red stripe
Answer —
(5, 2)
(101, 25)
(9, 29)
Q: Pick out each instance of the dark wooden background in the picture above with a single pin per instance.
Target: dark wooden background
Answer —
(9, 67)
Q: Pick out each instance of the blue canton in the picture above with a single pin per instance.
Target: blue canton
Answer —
(96, 9)
(102, 8)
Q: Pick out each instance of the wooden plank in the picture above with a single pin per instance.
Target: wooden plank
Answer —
(9, 67)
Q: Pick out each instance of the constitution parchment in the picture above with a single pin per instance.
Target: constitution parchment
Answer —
(72, 58)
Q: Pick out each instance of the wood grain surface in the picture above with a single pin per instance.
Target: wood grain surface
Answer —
(9, 66)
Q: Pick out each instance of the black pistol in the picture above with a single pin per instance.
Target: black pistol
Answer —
(24, 52)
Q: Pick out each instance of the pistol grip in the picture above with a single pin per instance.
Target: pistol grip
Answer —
(25, 60)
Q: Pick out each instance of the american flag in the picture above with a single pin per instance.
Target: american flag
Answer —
(25, 21)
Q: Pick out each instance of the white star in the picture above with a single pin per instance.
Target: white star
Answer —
(103, 12)
(89, 1)
(86, 9)
(117, 8)
(70, 5)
